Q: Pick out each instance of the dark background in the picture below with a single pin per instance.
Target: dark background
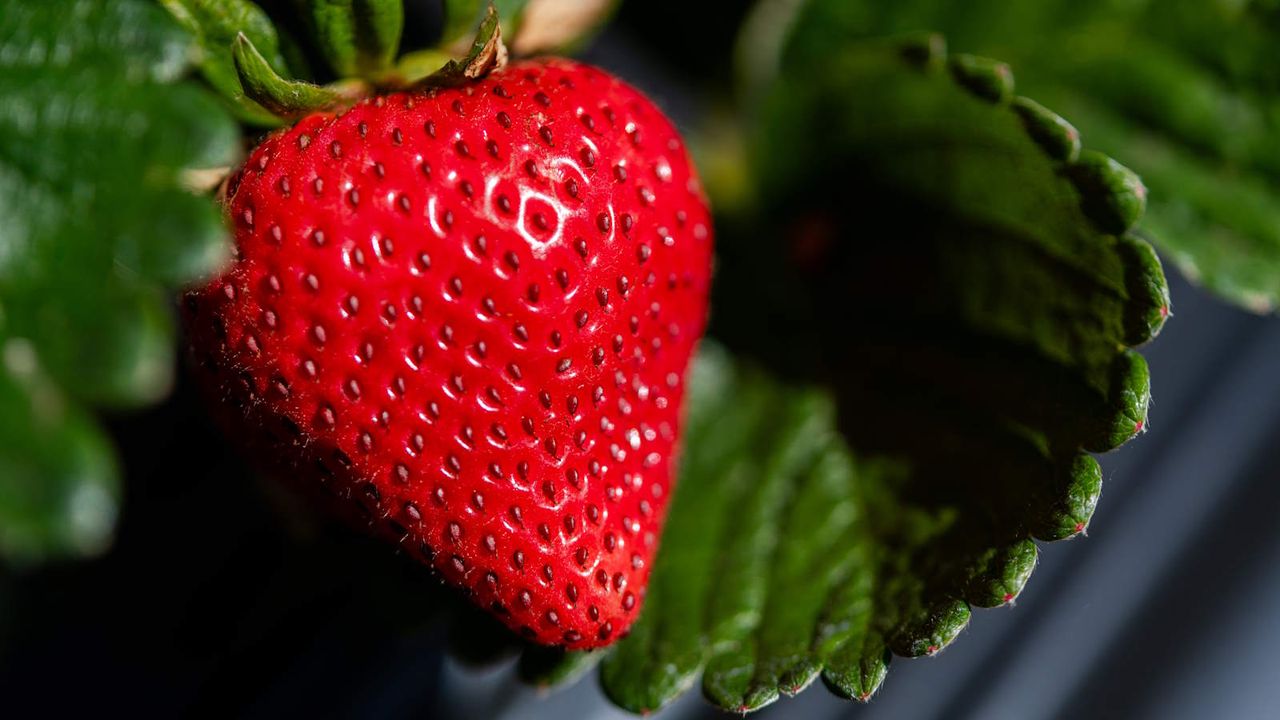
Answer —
(220, 600)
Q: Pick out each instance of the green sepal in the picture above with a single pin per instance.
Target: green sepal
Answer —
(359, 38)
(287, 99)
(215, 24)
(487, 53)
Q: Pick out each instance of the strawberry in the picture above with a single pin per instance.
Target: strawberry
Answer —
(463, 316)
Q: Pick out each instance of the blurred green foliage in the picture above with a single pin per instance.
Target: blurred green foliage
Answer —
(96, 129)
(1187, 92)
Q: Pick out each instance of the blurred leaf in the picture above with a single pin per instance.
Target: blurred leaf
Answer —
(59, 487)
(95, 132)
(963, 285)
(1184, 91)
(215, 24)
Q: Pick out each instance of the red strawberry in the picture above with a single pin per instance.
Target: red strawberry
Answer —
(467, 315)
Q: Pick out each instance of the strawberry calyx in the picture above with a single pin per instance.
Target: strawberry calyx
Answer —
(290, 100)
(241, 56)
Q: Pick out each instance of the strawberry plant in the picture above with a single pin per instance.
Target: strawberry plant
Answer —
(764, 396)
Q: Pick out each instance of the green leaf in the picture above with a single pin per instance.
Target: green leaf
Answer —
(944, 291)
(359, 38)
(215, 25)
(96, 132)
(1181, 90)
